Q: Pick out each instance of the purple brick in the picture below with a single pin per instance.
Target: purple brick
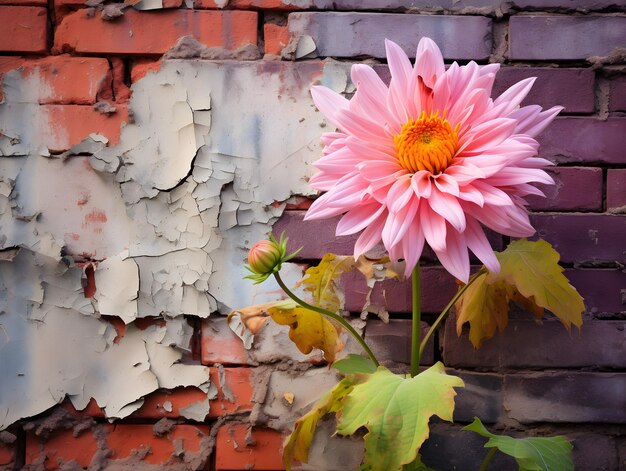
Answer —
(526, 344)
(438, 287)
(584, 237)
(617, 94)
(584, 140)
(576, 397)
(564, 37)
(571, 88)
(399, 5)
(363, 34)
(604, 291)
(594, 451)
(392, 341)
(581, 5)
(566, 194)
(616, 190)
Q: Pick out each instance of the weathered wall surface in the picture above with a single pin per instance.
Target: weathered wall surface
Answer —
(145, 146)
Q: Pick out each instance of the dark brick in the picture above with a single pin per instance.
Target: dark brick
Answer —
(616, 190)
(564, 37)
(617, 94)
(438, 287)
(604, 290)
(576, 397)
(574, 140)
(482, 397)
(402, 5)
(584, 237)
(527, 344)
(594, 452)
(450, 449)
(363, 34)
(392, 341)
(582, 5)
(566, 194)
(571, 88)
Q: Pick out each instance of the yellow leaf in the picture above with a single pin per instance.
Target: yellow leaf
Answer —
(299, 442)
(485, 306)
(308, 329)
(529, 275)
(321, 281)
(533, 268)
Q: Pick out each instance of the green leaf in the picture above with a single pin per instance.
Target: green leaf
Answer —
(354, 364)
(529, 275)
(299, 442)
(307, 329)
(321, 281)
(395, 410)
(531, 454)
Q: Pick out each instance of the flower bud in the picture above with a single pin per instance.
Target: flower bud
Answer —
(263, 257)
(266, 257)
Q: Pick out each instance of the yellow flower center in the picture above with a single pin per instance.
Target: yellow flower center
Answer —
(427, 143)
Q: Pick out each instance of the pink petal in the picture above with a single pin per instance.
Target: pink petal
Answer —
(486, 135)
(449, 208)
(328, 102)
(421, 183)
(400, 194)
(447, 184)
(398, 224)
(429, 62)
(479, 244)
(370, 236)
(359, 218)
(454, 256)
(412, 246)
(434, 227)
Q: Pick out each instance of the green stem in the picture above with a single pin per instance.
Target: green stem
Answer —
(416, 331)
(445, 311)
(330, 314)
(487, 460)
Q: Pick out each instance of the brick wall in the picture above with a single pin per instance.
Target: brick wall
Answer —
(150, 238)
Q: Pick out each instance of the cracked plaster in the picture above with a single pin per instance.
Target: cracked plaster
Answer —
(165, 217)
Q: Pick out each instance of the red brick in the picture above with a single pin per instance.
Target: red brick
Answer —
(63, 79)
(220, 344)
(67, 125)
(141, 68)
(7, 454)
(61, 446)
(238, 388)
(233, 453)
(566, 194)
(616, 190)
(564, 37)
(134, 32)
(583, 238)
(584, 140)
(276, 38)
(571, 88)
(24, 29)
(617, 94)
(119, 92)
(124, 440)
(39, 3)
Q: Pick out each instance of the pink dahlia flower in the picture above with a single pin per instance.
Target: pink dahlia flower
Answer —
(431, 158)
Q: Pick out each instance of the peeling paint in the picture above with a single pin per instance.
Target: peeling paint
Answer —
(163, 219)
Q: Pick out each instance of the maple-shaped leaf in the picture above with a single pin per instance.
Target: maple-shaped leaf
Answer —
(396, 409)
(307, 329)
(322, 281)
(297, 446)
(529, 275)
(531, 454)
